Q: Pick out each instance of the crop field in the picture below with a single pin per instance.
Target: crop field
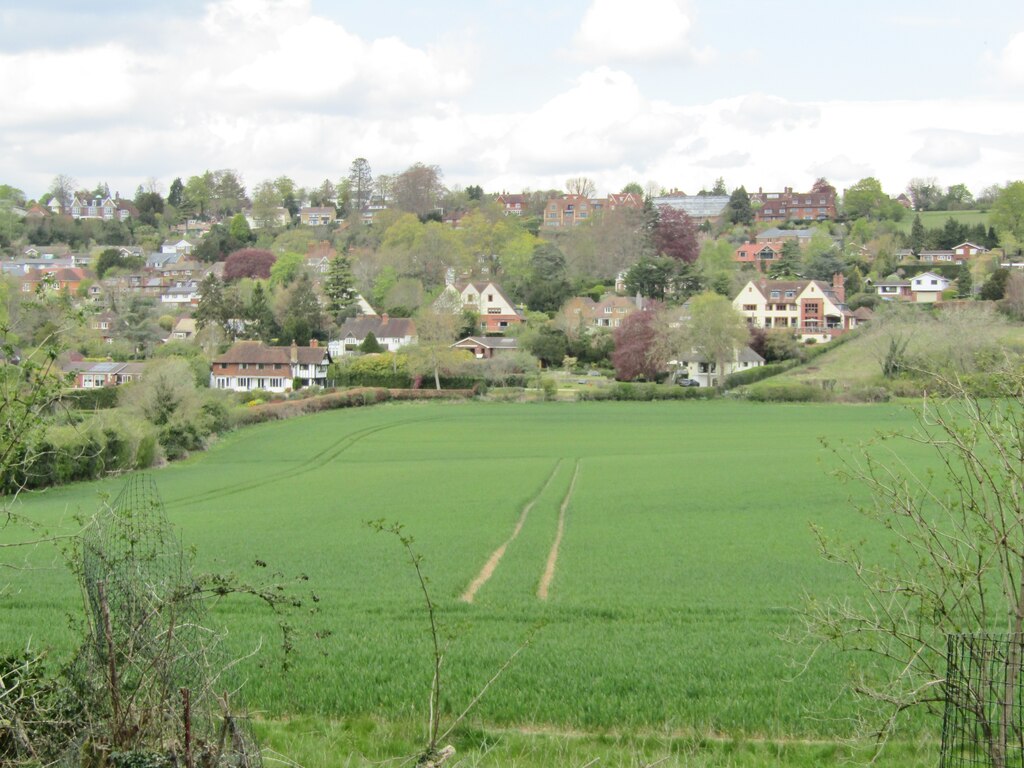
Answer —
(655, 556)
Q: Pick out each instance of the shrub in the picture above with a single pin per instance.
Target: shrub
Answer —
(92, 399)
(751, 375)
(787, 392)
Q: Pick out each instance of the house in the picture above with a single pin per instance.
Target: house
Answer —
(807, 308)
(104, 208)
(928, 287)
(392, 333)
(485, 347)
(794, 206)
(183, 292)
(62, 279)
(512, 205)
(758, 254)
(582, 313)
(776, 235)
(107, 324)
(567, 211)
(106, 374)
(894, 290)
(251, 365)
(180, 247)
(936, 257)
(317, 216)
(495, 308)
(705, 372)
(274, 217)
(700, 208)
(185, 329)
(963, 251)
(620, 200)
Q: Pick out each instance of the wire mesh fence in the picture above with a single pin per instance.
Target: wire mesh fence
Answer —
(984, 716)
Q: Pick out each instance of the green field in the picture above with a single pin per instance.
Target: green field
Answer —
(684, 555)
(937, 219)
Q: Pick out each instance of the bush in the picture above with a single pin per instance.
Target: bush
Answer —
(625, 391)
(751, 375)
(787, 392)
(91, 399)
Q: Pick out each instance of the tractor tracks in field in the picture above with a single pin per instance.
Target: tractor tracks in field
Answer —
(316, 461)
(549, 570)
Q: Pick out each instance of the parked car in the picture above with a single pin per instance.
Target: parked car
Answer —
(687, 382)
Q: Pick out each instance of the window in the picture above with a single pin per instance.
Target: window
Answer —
(750, 307)
(790, 294)
(276, 383)
(244, 366)
(607, 310)
(494, 310)
(243, 382)
(775, 294)
(223, 366)
(490, 297)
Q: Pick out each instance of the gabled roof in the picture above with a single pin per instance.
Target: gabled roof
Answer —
(380, 326)
(487, 342)
(258, 352)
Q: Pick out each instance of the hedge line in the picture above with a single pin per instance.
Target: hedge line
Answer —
(633, 392)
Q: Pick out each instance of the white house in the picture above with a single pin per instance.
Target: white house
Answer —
(392, 333)
(928, 287)
(705, 372)
(487, 299)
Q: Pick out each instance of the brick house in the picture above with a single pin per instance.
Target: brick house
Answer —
(317, 216)
(105, 374)
(107, 209)
(807, 308)
(794, 206)
(758, 254)
(513, 205)
(251, 365)
(583, 314)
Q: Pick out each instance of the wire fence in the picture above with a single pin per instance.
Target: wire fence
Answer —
(984, 717)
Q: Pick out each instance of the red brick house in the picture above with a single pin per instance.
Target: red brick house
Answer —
(251, 365)
(794, 206)
(758, 254)
(512, 205)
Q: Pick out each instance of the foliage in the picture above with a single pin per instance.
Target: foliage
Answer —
(634, 356)
(651, 277)
(285, 269)
(675, 235)
(786, 392)
(865, 199)
(370, 345)
(111, 258)
(302, 315)
(760, 373)
(740, 211)
(957, 561)
(712, 328)
(994, 288)
(248, 262)
(547, 344)
(339, 286)
(1008, 214)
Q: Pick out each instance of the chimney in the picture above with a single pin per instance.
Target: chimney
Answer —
(294, 352)
(313, 343)
(384, 319)
(839, 286)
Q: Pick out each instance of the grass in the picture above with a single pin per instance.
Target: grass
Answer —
(937, 219)
(685, 558)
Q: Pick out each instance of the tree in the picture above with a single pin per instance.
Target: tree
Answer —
(924, 193)
(262, 324)
(239, 229)
(62, 188)
(719, 188)
(955, 560)
(547, 286)
(865, 199)
(995, 287)
(418, 189)
(789, 263)
(248, 262)
(266, 200)
(432, 353)
(635, 350)
(287, 267)
(360, 183)
(370, 345)
(580, 185)
(917, 235)
(650, 277)
(339, 287)
(548, 345)
(957, 198)
(198, 194)
(302, 316)
(1008, 214)
(227, 192)
(174, 196)
(633, 188)
(210, 309)
(675, 235)
(740, 211)
(714, 330)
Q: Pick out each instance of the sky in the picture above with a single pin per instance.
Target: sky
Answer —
(514, 95)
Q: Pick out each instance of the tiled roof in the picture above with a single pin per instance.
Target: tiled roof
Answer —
(392, 327)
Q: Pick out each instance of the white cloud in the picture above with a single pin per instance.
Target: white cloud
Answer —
(840, 169)
(758, 112)
(644, 30)
(948, 149)
(1011, 60)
